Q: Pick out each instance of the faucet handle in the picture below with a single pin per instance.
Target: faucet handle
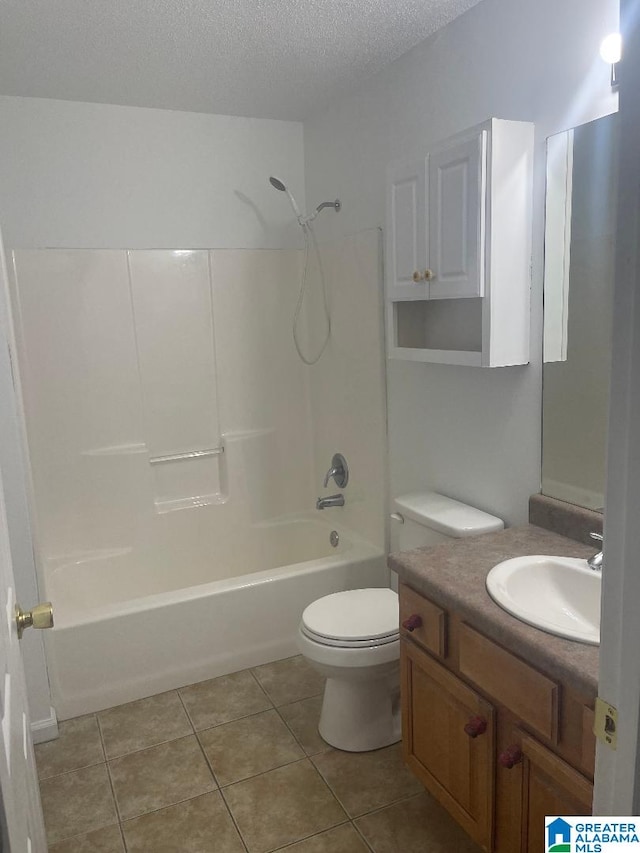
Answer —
(597, 536)
(339, 471)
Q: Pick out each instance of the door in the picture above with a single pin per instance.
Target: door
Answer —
(20, 810)
(448, 741)
(457, 195)
(406, 251)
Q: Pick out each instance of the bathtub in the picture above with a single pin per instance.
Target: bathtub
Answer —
(128, 625)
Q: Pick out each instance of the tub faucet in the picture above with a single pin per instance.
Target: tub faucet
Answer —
(597, 561)
(332, 500)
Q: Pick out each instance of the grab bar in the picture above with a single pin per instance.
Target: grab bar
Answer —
(191, 454)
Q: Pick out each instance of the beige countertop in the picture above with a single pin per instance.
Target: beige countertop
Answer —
(453, 575)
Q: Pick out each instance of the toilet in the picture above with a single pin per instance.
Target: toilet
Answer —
(352, 637)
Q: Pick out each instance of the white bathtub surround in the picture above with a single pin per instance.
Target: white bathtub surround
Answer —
(129, 357)
(347, 386)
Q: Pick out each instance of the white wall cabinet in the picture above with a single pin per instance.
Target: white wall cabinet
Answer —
(459, 249)
(407, 231)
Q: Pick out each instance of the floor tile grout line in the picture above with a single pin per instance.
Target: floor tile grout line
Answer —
(235, 720)
(74, 770)
(125, 846)
(329, 786)
(80, 767)
(113, 792)
(388, 805)
(186, 710)
(208, 762)
(259, 683)
(82, 834)
(264, 772)
(295, 737)
(167, 806)
(235, 823)
(330, 789)
(291, 844)
(362, 836)
(151, 746)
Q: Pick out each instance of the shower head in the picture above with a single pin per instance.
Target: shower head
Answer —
(277, 184)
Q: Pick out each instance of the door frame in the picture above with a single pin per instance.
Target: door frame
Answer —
(617, 778)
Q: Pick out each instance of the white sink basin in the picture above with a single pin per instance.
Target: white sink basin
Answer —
(560, 595)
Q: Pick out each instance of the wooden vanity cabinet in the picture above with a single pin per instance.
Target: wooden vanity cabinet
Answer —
(448, 741)
(496, 742)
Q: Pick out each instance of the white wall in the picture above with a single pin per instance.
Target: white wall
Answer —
(473, 434)
(79, 175)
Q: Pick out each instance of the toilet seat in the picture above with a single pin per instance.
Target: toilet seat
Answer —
(354, 619)
(348, 644)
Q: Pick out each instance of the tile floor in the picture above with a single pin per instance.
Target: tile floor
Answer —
(231, 765)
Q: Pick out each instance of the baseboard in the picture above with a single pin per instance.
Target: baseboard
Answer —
(44, 730)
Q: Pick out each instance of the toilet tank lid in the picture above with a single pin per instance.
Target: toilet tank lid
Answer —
(446, 515)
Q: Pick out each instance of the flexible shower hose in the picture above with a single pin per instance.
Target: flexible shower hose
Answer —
(306, 230)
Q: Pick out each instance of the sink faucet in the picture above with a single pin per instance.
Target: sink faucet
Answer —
(597, 561)
(332, 500)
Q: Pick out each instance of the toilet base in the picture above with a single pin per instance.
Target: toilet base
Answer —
(358, 716)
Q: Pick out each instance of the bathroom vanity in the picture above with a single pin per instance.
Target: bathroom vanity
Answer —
(497, 715)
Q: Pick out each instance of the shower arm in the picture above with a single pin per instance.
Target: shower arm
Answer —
(336, 205)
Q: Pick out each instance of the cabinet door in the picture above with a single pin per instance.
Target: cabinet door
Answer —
(550, 787)
(406, 232)
(445, 743)
(457, 198)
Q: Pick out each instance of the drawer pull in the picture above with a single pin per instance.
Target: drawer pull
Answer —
(476, 726)
(510, 757)
(412, 622)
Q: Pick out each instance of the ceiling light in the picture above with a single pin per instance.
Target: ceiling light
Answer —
(611, 53)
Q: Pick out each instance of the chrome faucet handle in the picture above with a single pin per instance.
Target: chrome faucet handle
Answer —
(339, 471)
(597, 561)
(330, 473)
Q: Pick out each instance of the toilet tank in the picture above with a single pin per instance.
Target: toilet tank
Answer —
(421, 519)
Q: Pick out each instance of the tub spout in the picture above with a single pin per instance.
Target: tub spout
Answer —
(332, 500)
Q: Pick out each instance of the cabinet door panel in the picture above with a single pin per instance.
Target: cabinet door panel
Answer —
(457, 193)
(455, 767)
(550, 787)
(406, 232)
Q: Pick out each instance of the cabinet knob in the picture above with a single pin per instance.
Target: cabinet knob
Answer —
(414, 621)
(510, 757)
(429, 274)
(418, 276)
(476, 726)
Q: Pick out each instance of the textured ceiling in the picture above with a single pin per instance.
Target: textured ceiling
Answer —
(265, 58)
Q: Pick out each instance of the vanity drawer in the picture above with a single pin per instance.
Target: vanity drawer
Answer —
(424, 622)
(526, 692)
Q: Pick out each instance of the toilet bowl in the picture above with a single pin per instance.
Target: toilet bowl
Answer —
(352, 639)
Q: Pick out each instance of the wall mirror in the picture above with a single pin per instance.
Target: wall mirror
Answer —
(578, 301)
